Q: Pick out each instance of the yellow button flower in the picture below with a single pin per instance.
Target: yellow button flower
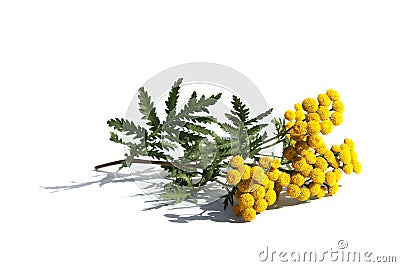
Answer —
(290, 115)
(323, 113)
(324, 100)
(349, 142)
(306, 171)
(326, 127)
(321, 149)
(246, 200)
(322, 192)
(304, 194)
(338, 106)
(357, 167)
(276, 163)
(299, 163)
(289, 153)
(333, 94)
(321, 163)
(330, 178)
(298, 106)
(293, 190)
(313, 127)
(260, 192)
(284, 179)
(273, 174)
(333, 189)
(314, 141)
(336, 118)
(300, 115)
(260, 205)
(245, 171)
(236, 161)
(264, 162)
(317, 175)
(309, 156)
(297, 179)
(313, 117)
(270, 197)
(335, 148)
(314, 188)
(233, 177)
(257, 173)
(345, 156)
(310, 105)
(248, 214)
(338, 174)
(348, 168)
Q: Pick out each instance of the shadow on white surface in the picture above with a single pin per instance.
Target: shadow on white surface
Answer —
(209, 204)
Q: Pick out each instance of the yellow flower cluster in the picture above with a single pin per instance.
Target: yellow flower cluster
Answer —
(317, 169)
(257, 187)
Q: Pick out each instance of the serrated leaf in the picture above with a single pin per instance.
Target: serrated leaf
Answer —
(147, 109)
(173, 97)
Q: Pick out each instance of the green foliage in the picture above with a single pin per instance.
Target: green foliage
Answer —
(205, 153)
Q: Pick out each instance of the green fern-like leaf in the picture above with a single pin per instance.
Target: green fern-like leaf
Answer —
(173, 97)
(147, 109)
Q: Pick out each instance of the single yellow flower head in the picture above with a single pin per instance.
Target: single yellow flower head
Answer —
(333, 189)
(273, 174)
(257, 173)
(313, 117)
(323, 113)
(350, 143)
(246, 200)
(293, 190)
(309, 155)
(324, 100)
(313, 127)
(299, 163)
(290, 115)
(314, 141)
(284, 179)
(354, 156)
(248, 214)
(345, 156)
(321, 149)
(336, 118)
(322, 192)
(330, 178)
(348, 168)
(338, 106)
(245, 171)
(299, 128)
(266, 181)
(304, 194)
(300, 115)
(264, 162)
(321, 163)
(317, 175)
(329, 156)
(260, 205)
(357, 167)
(326, 127)
(233, 177)
(276, 163)
(306, 171)
(270, 197)
(335, 148)
(314, 188)
(236, 161)
(338, 174)
(300, 146)
(248, 185)
(297, 179)
(289, 153)
(344, 146)
(237, 210)
(259, 192)
(310, 105)
(298, 106)
(333, 94)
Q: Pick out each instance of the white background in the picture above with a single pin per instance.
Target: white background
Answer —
(68, 66)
